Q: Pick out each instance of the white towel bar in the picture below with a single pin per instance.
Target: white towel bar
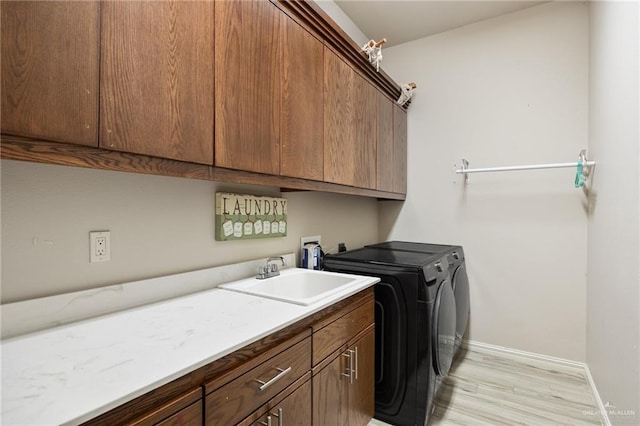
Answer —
(582, 160)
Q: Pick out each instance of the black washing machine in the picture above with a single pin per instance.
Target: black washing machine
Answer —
(415, 315)
(457, 270)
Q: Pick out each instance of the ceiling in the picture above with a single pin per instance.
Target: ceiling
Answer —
(401, 21)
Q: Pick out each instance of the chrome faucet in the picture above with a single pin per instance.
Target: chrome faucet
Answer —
(270, 269)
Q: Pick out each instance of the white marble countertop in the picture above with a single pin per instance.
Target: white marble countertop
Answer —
(72, 373)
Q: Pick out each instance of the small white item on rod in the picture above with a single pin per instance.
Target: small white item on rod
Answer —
(583, 161)
(374, 52)
(406, 93)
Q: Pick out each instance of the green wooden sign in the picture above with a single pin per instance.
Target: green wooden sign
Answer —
(245, 217)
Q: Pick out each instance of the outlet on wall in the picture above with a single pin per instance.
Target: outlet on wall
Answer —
(99, 246)
(314, 239)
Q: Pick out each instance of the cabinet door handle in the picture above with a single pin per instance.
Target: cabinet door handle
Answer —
(349, 354)
(349, 372)
(274, 379)
(356, 372)
(279, 416)
(268, 423)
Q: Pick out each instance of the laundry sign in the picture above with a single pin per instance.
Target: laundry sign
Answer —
(245, 217)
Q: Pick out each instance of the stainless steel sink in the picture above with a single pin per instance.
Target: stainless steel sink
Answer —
(299, 286)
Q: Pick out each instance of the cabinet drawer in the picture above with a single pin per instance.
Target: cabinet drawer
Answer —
(292, 410)
(184, 410)
(331, 337)
(190, 416)
(238, 398)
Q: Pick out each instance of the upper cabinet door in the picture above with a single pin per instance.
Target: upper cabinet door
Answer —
(350, 116)
(339, 134)
(157, 79)
(302, 104)
(247, 77)
(366, 123)
(50, 70)
(385, 144)
(399, 150)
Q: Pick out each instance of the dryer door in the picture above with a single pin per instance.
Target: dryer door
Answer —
(391, 346)
(444, 328)
(460, 283)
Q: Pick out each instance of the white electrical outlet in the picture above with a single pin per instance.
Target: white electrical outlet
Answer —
(314, 239)
(99, 246)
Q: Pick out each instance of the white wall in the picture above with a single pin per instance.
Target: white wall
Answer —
(613, 294)
(159, 225)
(506, 91)
(347, 25)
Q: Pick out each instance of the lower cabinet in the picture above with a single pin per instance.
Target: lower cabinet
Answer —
(361, 391)
(321, 373)
(185, 410)
(294, 409)
(343, 391)
(190, 416)
(233, 401)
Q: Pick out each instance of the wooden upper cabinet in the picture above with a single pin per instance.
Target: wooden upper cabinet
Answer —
(301, 121)
(50, 70)
(157, 79)
(366, 119)
(247, 77)
(385, 172)
(339, 137)
(399, 150)
(350, 117)
(392, 146)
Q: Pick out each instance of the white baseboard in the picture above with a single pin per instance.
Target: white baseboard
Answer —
(603, 410)
(486, 347)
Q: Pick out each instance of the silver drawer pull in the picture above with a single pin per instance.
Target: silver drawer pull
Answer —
(279, 416)
(274, 379)
(356, 363)
(352, 370)
(349, 354)
(268, 423)
(348, 373)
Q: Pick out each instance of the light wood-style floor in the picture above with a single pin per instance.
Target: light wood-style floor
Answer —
(486, 387)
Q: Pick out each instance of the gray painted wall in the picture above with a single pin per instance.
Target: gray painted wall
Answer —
(613, 294)
(506, 91)
(159, 225)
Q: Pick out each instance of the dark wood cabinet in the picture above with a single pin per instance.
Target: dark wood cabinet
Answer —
(185, 410)
(190, 416)
(156, 81)
(399, 150)
(232, 402)
(316, 371)
(366, 118)
(339, 137)
(50, 70)
(385, 148)
(294, 409)
(248, 75)
(301, 120)
(343, 367)
(350, 117)
(343, 391)
(392, 146)
(269, 85)
(330, 407)
(362, 390)
(251, 92)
